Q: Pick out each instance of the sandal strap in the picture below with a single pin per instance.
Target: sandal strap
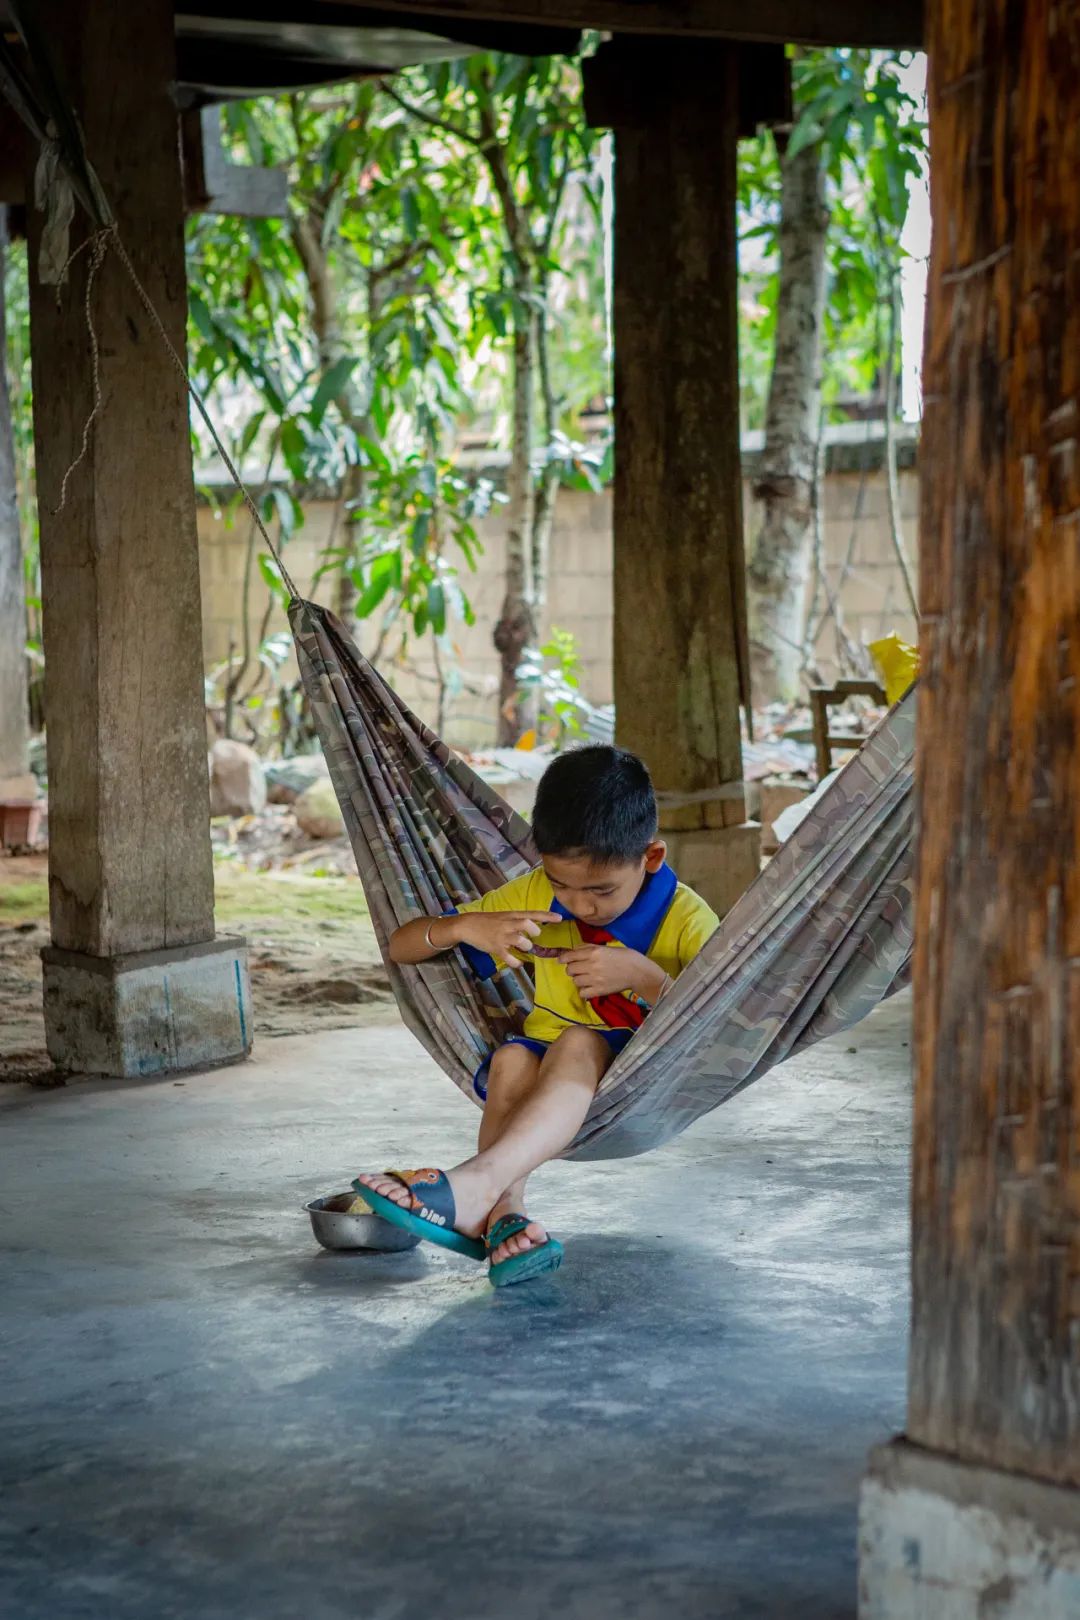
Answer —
(507, 1226)
(430, 1193)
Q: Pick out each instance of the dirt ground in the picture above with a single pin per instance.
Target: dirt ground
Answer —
(314, 961)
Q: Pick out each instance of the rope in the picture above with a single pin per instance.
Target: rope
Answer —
(100, 242)
(97, 246)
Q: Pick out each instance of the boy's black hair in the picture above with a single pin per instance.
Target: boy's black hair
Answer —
(596, 801)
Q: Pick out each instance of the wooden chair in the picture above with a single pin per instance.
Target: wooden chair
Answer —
(822, 699)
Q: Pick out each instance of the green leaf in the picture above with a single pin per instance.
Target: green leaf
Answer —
(200, 314)
(334, 382)
(271, 574)
(290, 514)
(294, 448)
(251, 429)
(379, 413)
(410, 211)
(418, 533)
(436, 607)
(373, 454)
(807, 132)
(381, 580)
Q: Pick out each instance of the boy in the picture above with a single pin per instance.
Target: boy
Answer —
(603, 883)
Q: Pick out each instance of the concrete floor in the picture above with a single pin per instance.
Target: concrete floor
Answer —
(203, 1416)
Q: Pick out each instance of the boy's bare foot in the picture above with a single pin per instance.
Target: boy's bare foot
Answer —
(532, 1237)
(472, 1196)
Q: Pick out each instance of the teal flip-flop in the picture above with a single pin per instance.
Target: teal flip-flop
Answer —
(430, 1215)
(520, 1267)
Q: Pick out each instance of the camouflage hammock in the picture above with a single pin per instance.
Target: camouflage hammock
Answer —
(814, 944)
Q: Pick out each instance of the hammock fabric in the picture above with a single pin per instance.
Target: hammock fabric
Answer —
(820, 938)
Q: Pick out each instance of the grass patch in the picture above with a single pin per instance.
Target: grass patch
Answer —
(24, 901)
(240, 895)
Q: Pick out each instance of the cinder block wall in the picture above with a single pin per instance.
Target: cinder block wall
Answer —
(860, 561)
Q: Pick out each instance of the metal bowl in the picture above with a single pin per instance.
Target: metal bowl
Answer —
(335, 1230)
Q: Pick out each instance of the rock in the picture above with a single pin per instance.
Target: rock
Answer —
(237, 780)
(318, 813)
(287, 779)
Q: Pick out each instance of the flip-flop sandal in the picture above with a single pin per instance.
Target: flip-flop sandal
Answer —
(529, 1263)
(431, 1214)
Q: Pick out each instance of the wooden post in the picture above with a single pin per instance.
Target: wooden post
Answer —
(995, 1371)
(995, 1353)
(16, 781)
(130, 860)
(679, 593)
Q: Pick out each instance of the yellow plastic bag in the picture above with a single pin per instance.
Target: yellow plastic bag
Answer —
(897, 664)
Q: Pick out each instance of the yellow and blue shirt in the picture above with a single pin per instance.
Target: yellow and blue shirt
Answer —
(667, 922)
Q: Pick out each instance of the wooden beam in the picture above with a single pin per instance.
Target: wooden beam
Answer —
(678, 572)
(888, 23)
(620, 82)
(995, 1358)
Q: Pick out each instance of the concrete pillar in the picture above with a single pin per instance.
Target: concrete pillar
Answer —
(135, 981)
(679, 593)
(16, 780)
(977, 1513)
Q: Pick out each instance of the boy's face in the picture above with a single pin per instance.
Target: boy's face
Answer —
(598, 892)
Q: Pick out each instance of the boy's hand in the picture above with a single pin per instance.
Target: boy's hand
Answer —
(506, 934)
(604, 970)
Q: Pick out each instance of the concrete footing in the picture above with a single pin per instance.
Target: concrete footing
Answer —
(152, 1012)
(720, 863)
(941, 1540)
(20, 785)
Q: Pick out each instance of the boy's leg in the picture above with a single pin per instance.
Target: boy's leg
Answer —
(513, 1072)
(544, 1122)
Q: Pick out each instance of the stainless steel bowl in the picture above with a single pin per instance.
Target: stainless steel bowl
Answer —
(337, 1231)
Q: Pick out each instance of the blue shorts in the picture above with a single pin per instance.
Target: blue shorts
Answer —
(616, 1039)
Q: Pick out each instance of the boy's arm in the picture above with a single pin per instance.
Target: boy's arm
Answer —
(505, 935)
(424, 938)
(500, 924)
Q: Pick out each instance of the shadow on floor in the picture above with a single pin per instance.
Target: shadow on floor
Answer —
(208, 1418)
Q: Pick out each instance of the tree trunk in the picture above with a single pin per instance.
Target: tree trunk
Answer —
(892, 377)
(516, 629)
(546, 488)
(331, 346)
(14, 725)
(778, 568)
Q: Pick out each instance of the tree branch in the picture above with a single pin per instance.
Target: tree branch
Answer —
(399, 262)
(521, 243)
(545, 245)
(445, 126)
